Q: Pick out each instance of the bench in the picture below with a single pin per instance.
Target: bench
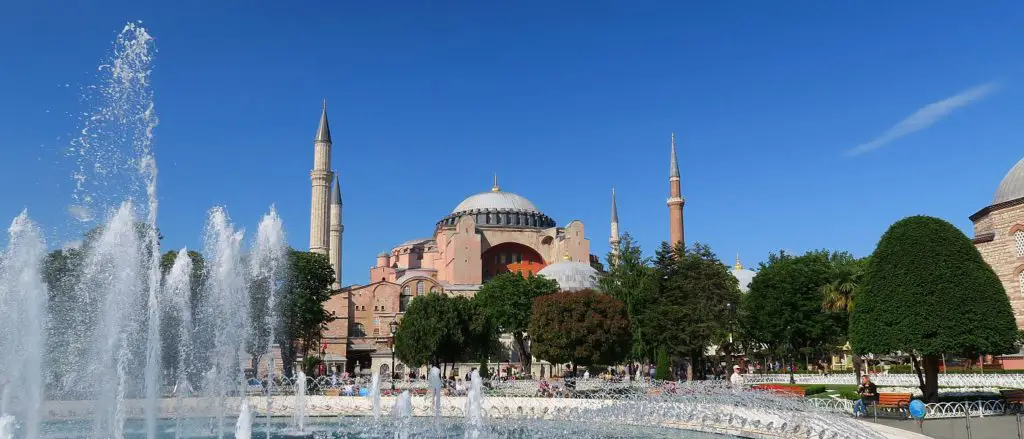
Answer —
(1013, 397)
(898, 401)
(781, 390)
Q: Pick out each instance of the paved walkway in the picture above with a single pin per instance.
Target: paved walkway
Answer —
(989, 427)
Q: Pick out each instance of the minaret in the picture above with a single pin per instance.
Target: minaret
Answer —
(613, 241)
(336, 231)
(675, 200)
(320, 177)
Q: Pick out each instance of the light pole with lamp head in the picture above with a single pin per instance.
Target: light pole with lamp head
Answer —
(394, 330)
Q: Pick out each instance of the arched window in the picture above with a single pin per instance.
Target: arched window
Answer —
(433, 290)
(1022, 283)
(404, 299)
(358, 330)
(1018, 236)
(419, 288)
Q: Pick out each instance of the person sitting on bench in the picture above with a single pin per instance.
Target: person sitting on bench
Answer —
(868, 395)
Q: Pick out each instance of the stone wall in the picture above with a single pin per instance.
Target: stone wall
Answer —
(1000, 252)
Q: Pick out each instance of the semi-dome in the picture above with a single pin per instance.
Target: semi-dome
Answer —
(571, 275)
(1012, 186)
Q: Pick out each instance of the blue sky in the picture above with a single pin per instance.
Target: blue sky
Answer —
(779, 108)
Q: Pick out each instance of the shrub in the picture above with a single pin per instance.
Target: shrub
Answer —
(662, 369)
(814, 390)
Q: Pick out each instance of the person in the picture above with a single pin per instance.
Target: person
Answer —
(586, 374)
(736, 379)
(868, 395)
(569, 378)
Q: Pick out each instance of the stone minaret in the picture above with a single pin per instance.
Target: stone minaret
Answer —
(320, 176)
(613, 241)
(336, 230)
(675, 200)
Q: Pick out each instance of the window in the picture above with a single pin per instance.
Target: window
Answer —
(376, 332)
(1018, 236)
(405, 291)
(433, 290)
(358, 330)
(1022, 282)
(405, 298)
(419, 288)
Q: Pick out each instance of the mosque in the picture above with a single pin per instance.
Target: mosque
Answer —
(488, 233)
(999, 236)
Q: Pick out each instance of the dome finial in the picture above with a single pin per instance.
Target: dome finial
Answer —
(738, 266)
(495, 187)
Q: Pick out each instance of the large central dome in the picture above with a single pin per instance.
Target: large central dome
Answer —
(495, 200)
(1012, 186)
(498, 209)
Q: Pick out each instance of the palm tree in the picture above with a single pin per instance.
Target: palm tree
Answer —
(838, 295)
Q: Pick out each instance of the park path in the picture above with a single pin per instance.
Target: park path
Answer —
(989, 427)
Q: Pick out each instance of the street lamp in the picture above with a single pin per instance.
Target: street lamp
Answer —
(528, 360)
(394, 330)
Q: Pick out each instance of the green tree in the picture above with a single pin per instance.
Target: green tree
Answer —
(663, 367)
(440, 329)
(838, 294)
(927, 291)
(585, 328)
(783, 308)
(693, 309)
(303, 316)
(507, 300)
(632, 280)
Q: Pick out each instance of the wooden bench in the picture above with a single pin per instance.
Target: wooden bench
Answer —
(781, 390)
(898, 401)
(1012, 397)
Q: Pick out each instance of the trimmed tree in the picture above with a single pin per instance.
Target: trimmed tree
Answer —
(927, 292)
(584, 328)
(507, 300)
(303, 316)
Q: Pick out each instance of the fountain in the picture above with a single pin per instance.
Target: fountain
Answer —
(374, 394)
(299, 417)
(474, 403)
(402, 412)
(194, 325)
(243, 427)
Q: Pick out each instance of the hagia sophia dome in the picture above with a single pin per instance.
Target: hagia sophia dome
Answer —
(743, 275)
(497, 208)
(1012, 186)
(571, 276)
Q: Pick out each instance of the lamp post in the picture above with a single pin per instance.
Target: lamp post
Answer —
(528, 360)
(729, 353)
(394, 330)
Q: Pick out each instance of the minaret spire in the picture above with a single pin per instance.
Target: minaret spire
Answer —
(321, 178)
(613, 241)
(675, 201)
(336, 230)
(323, 132)
(495, 187)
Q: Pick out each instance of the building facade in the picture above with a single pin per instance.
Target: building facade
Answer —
(999, 236)
(486, 234)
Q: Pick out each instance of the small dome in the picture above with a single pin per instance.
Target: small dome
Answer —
(1012, 186)
(495, 200)
(743, 275)
(571, 276)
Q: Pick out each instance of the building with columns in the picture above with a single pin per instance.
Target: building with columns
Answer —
(999, 236)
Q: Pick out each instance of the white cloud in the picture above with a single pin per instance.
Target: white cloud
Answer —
(925, 117)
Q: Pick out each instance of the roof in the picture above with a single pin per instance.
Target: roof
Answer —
(415, 242)
(495, 200)
(673, 165)
(323, 132)
(571, 275)
(1012, 186)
